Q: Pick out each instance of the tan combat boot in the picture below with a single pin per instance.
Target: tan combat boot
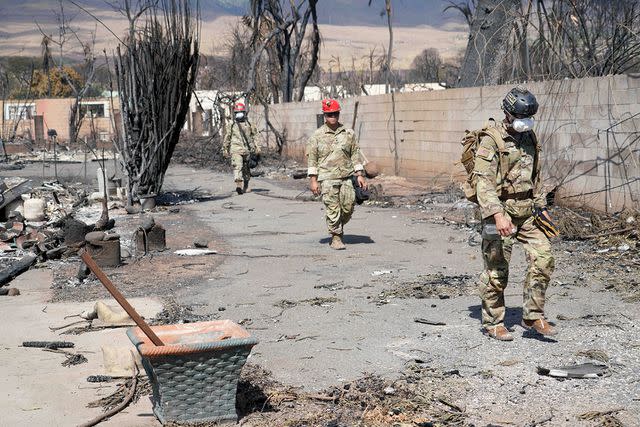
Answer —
(336, 242)
(541, 326)
(499, 333)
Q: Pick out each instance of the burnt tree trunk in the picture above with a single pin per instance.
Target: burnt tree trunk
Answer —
(156, 72)
(487, 49)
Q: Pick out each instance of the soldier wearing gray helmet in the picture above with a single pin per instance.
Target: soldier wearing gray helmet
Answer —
(508, 185)
(240, 144)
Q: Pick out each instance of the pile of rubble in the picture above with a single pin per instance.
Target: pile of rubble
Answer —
(53, 221)
(63, 155)
(577, 224)
(409, 401)
(31, 229)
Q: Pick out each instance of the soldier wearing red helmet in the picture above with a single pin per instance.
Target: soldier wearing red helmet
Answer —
(239, 143)
(333, 156)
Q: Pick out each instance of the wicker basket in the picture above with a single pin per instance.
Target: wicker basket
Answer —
(194, 376)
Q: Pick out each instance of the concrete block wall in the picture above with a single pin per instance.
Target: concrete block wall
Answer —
(588, 128)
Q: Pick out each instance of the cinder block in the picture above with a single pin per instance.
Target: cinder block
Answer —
(152, 240)
(618, 82)
(633, 82)
(582, 139)
(587, 167)
(624, 97)
(106, 253)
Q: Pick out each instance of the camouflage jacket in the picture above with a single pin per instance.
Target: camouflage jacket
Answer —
(521, 190)
(333, 154)
(234, 140)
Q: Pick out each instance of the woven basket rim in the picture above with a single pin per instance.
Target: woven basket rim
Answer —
(239, 338)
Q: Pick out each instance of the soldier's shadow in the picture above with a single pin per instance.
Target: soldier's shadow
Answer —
(512, 315)
(350, 239)
(512, 321)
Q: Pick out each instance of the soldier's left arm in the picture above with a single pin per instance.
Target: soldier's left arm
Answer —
(539, 195)
(356, 159)
(540, 198)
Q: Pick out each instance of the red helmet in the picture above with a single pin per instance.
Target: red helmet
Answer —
(330, 106)
(238, 107)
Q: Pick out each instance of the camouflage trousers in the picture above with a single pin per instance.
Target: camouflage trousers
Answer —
(240, 165)
(339, 198)
(496, 254)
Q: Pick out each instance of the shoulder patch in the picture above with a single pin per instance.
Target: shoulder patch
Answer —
(485, 153)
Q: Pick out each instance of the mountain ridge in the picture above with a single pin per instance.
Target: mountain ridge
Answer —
(406, 13)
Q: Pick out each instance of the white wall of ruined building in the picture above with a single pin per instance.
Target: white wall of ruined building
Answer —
(581, 123)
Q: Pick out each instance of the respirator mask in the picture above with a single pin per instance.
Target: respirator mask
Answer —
(522, 125)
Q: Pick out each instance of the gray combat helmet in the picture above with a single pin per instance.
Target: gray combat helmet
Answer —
(520, 103)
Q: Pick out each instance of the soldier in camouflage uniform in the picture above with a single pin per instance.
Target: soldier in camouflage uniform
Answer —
(239, 142)
(507, 206)
(333, 157)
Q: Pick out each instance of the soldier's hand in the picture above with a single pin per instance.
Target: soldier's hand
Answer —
(504, 225)
(314, 186)
(362, 182)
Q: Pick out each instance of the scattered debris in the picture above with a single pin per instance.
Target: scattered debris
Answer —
(143, 388)
(428, 322)
(120, 361)
(299, 174)
(104, 250)
(584, 370)
(577, 224)
(330, 286)
(52, 345)
(72, 359)
(321, 301)
(99, 379)
(285, 304)
(598, 355)
(150, 236)
(111, 315)
(195, 252)
(174, 313)
(74, 231)
(317, 301)
(428, 286)
(410, 400)
(510, 362)
(381, 272)
(597, 415)
(200, 242)
(10, 292)
(131, 393)
(16, 268)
